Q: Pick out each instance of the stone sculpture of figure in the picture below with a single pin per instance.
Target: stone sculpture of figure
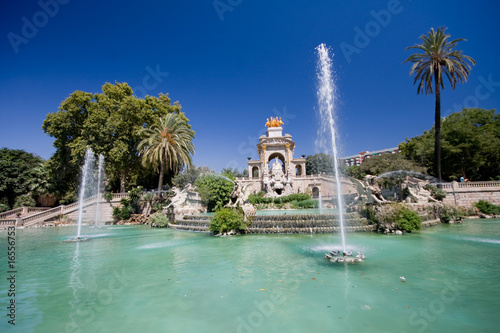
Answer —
(373, 190)
(418, 193)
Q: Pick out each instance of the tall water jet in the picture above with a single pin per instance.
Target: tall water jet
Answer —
(100, 170)
(87, 173)
(326, 103)
(320, 203)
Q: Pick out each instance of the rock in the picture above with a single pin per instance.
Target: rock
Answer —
(398, 232)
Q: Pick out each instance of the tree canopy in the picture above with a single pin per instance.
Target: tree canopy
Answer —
(19, 174)
(470, 145)
(319, 164)
(214, 190)
(383, 163)
(109, 123)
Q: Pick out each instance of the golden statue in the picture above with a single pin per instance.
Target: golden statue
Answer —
(275, 122)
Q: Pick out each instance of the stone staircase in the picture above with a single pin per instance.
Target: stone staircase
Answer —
(31, 216)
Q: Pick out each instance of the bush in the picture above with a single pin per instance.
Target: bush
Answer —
(370, 214)
(407, 219)
(451, 213)
(108, 196)
(126, 210)
(227, 219)
(487, 207)
(401, 215)
(259, 198)
(308, 203)
(24, 200)
(436, 193)
(159, 220)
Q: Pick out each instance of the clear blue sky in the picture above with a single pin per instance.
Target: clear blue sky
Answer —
(233, 66)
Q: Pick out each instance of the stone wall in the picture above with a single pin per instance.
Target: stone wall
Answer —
(467, 193)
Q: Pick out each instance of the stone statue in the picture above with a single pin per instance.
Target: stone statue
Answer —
(374, 193)
(274, 122)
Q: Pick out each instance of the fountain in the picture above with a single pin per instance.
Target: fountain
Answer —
(100, 170)
(83, 194)
(326, 102)
(320, 203)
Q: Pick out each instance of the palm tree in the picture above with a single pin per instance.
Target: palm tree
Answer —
(438, 57)
(167, 145)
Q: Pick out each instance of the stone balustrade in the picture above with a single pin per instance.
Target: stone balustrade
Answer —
(466, 194)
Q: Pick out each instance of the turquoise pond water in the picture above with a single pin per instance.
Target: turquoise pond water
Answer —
(136, 279)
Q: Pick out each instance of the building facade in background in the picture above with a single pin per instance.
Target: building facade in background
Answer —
(364, 155)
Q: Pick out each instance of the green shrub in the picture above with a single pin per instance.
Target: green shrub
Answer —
(407, 219)
(308, 203)
(487, 207)
(160, 220)
(256, 199)
(126, 210)
(227, 219)
(436, 193)
(116, 213)
(259, 198)
(24, 200)
(370, 214)
(108, 196)
(451, 213)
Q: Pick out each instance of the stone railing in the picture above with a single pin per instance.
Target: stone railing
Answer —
(7, 222)
(120, 196)
(11, 213)
(454, 186)
(489, 184)
(468, 193)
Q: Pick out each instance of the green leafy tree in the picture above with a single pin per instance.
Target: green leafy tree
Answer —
(383, 163)
(354, 171)
(19, 174)
(167, 145)
(109, 124)
(215, 190)
(319, 164)
(234, 173)
(470, 145)
(189, 176)
(438, 58)
(24, 200)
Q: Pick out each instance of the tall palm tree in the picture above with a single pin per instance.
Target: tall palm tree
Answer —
(438, 57)
(167, 145)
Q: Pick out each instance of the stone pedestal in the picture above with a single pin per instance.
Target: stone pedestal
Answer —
(274, 132)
